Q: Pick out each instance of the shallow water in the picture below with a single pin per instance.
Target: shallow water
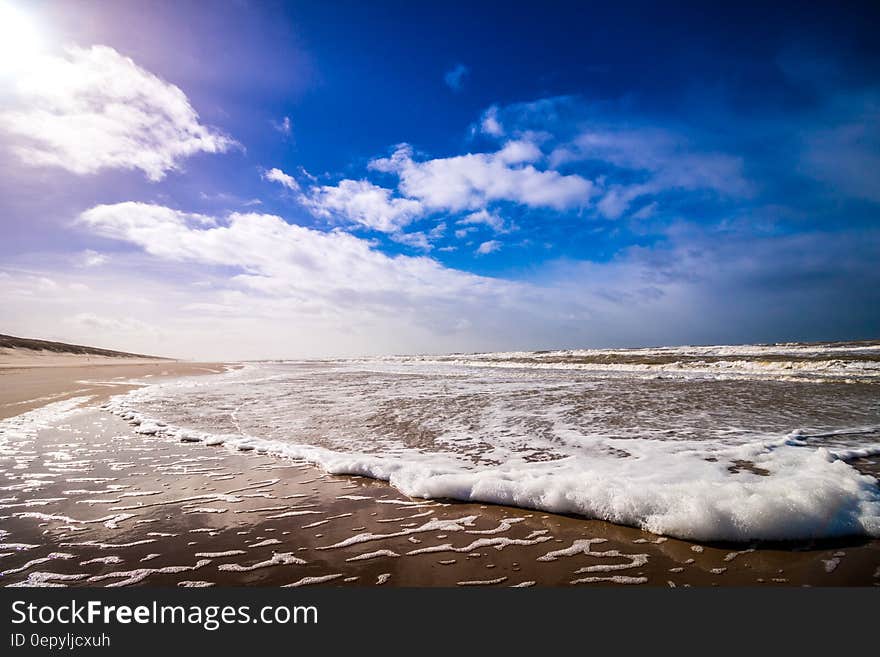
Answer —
(733, 443)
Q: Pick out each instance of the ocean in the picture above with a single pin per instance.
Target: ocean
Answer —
(726, 443)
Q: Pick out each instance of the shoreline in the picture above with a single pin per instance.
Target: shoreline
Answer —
(28, 385)
(105, 498)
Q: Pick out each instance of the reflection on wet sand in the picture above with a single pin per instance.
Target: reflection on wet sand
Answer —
(85, 501)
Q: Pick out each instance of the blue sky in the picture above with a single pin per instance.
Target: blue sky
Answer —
(268, 179)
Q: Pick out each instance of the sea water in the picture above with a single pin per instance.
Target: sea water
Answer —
(707, 443)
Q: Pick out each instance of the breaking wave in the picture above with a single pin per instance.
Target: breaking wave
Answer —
(704, 443)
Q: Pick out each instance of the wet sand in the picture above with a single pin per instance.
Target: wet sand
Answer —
(88, 501)
(28, 382)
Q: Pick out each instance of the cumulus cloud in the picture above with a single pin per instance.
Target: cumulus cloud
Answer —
(92, 109)
(421, 240)
(486, 218)
(361, 202)
(489, 123)
(489, 247)
(417, 240)
(285, 260)
(283, 179)
(629, 156)
(254, 286)
(90, 258)
(279, 288)
(470, 182)
(264, 266)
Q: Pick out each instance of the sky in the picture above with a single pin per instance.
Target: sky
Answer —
(238, 180)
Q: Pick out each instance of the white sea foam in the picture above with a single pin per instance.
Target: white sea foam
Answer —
(784, 361)
(27, 425)
(614, 579)
(18, 546)
(194, 584)
(44, 579)
(373, 555)
(635, 561)
(104, 560)
(483, 582)
(497, 542)
(34, 562)
(319, 579)
(580, 546)
(451, 525)
(129, 577)
(729, 443)
(277, 559)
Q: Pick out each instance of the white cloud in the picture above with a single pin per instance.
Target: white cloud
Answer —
(617, 199)
(470, 182)
(420, 239)
(284, 260)
(518, 151)
(665, 160)
(489, 247)
(490, 124)
(284, 126)
(90, 258)
(646, 211)
(93, 108)
(304, 172)
(302, 291)
(253, 286)
(417, 240)
(115, 326)
(484, 217)
(283, 179)
(364, 203)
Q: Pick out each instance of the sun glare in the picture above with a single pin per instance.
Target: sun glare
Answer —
(20, 40)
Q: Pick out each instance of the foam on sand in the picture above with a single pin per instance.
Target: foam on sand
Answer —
(483, 582)
(129, 577)
(277, 559)
(614, 579)
(374, 555)
(319, 579)
(455, 525)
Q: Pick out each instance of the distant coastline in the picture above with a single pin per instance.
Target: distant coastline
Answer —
(13, 342)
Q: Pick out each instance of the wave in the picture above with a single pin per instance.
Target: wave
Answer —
(837, 362)
(711, 461)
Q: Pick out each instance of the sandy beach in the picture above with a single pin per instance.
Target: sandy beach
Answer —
(86, 500)
(25, 387)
